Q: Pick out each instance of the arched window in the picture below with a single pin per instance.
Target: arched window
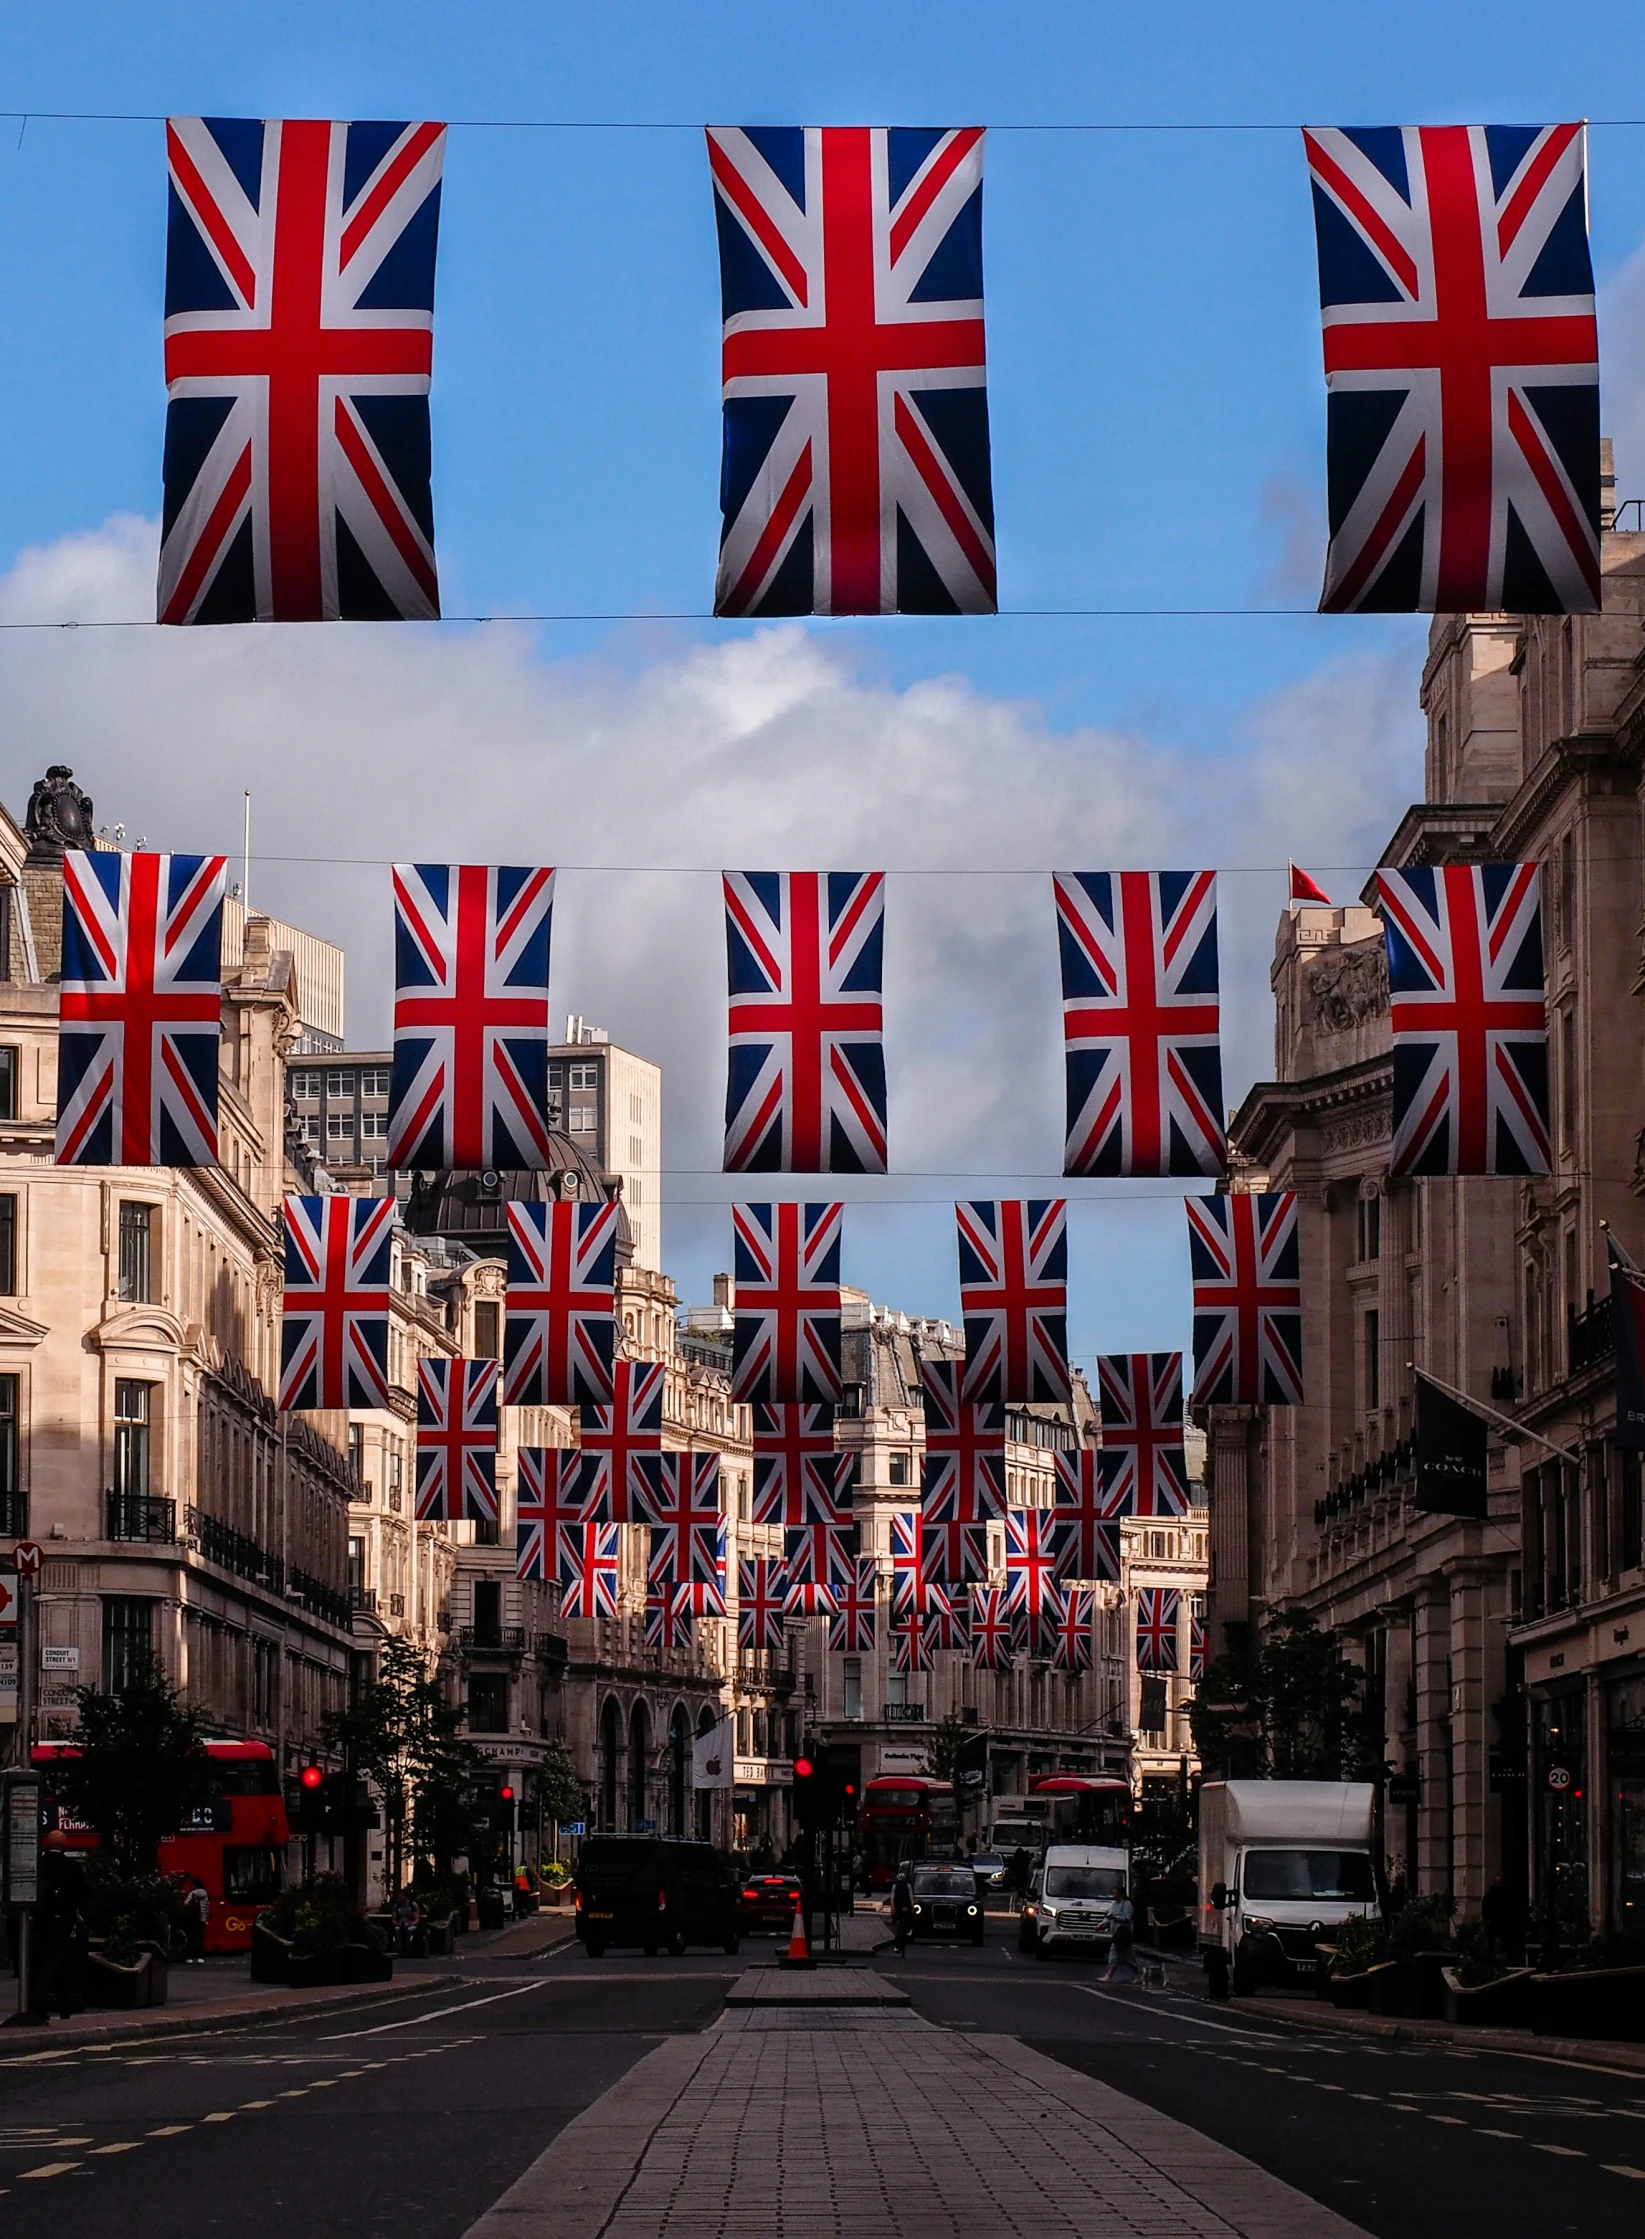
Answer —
(611, 1750)
(679, 1767)
(639, 1752)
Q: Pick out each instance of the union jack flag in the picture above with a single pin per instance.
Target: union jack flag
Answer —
(1033, 1548)
(851, 1631)
(806, 1599)
(667, 1617)
(962, 1476)
(1088, 1510)
(1144, 1468)
(1462, 368)
(819, 1555)
(1014, 1297)
(953, 1554)
(762, 1587)
(1157, 1628)
(992, 1633)
(686, 1517)
(140, 1009)
(855, 476)
(622, 1443)
(470, 1081)
(1140, 1022)
(805, 1091)
(800, 1476)
(704, 1595)
(588, 1568)
(914, 1584)
(299, 343)
(558, 1336)
(786, 1336)
(334, 1324)
(1247, 1299)
(1072, 1648)
(912, 1640)
(1197, 1657)
(456, 1441)
(1469, 1020)
(551, 1497)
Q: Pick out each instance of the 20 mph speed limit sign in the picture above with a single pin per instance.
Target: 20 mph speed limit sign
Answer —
(1560, 1779)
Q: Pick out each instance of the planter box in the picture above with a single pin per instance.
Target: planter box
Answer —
(439, 1939)
(270, 1955)
(1503, 2004)
(1593, 2002)
(1410, 1989)
(316, 1970)
(361, 1965)
(122, 1988)
(1351, 1990)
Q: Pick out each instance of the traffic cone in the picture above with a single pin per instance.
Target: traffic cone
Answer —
(799, 1951)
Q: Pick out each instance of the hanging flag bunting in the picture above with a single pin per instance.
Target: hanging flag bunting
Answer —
(469, 1088)
(686, 1516)
(852, 1626)
(623, 1443)
(1247, 1299)
(762, 1586)
(1033, 1550)
(299, 343)
(800, 1476)
(954, 1554)
(962, 1476)
(819, 1555)
(855, 473)
(551, 1498)
(1140, 1022)
(1014, 1299)
(1197, 1648)
(1461, 368)
(1072, 1647)
(558, 1336)
(1470, 1023)
(334, 1322)
(1628, 1336)
(911, 1641)
(668, 1618)
(140, 1009)
(1144, 1468)
(805, 1090)
(1157, 1628)
(1088, 1511)
(948, 1621)
(785, 1342)
(456, 1441)
(588, 1569)
(703, 1594)
(991, 1629)
(913, 1584)
(1305, 889)
(807, 1599)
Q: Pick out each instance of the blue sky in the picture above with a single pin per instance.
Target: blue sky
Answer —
(1158, 427)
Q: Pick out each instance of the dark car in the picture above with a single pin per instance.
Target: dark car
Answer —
(947, 1902)
(990, 1868)
(768, 1901)
(647, 1890)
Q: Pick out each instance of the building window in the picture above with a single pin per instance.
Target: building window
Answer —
(136, 1226)
(5, 932)
(131, 1439)
(10, 1449)
(374, 1127)
(899, 1469)
(305, 1086)
(1565, 898)
(896, 1690)
(374, 1081)
(339, 1127)
(356, 1565)
(340, 1084)
(1370, 1228)
(851, 1683)
(8, 1246)
(8, 1074)
(128, 1640)
(1567, 1079)
(584, 1085)
(357, 1449)
(488, 1702)
(486, 1318)
(1373, 1359)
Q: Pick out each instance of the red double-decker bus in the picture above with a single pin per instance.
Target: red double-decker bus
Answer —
(904, 1815)
(235, 1843)
(1086, 1808)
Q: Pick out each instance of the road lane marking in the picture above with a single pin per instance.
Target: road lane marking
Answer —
(416, 2021)
(1455, 2121)
(50, 2169)
(225, 2117)
(246, 2103)
(171, 2130)
(1516, 2135)
(125, 2145)
(1164, 2013)
(1569, 2153)
(1624, 2169)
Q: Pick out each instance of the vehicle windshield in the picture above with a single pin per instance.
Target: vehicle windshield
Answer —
(1085, 1881)
(1343, 1876)
(944, 1881)
(898, 1799)
(986, 1862)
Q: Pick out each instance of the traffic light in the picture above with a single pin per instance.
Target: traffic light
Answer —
(505, 1797)
(845, 1804)
(310, 1801)
(807, 1796)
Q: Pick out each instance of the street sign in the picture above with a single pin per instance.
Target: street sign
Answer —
(645, 1826)
(28, 1558)
(22, 1852)
(1404, 1788)
(8, 1604)
(574, 1826)
(1560, 1780)
(59, 1659)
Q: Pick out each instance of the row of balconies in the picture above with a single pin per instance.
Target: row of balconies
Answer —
(1378, 1476)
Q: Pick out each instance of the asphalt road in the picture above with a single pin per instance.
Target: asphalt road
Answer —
(411, 2117)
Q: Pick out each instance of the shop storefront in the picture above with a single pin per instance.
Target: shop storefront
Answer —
(1625, 1804)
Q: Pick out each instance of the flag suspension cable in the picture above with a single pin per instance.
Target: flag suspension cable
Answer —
(1495, 1415)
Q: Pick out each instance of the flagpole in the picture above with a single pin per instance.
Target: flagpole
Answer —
(1630, 1264)
(1479, 1407)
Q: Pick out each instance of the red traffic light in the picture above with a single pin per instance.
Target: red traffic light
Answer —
(311, 1776)
(802, 1768)
(507, 1795)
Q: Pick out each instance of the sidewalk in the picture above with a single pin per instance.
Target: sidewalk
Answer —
(237, 1999)
(1315, 2013)
(806, 2128)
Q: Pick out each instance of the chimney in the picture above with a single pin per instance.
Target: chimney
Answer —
(725, 1291)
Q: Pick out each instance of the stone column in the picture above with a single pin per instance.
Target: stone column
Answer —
(1470, 1715)
(1433, 1860)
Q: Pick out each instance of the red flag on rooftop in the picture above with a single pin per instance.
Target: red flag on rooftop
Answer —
(1306, 889)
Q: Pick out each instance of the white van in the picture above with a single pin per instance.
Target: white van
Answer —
(1282, 1864)
(1070, 1906)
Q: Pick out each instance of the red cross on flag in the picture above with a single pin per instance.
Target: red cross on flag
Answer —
(622, 1443)
(785, 1343)
(456, 1441)
(1014, 1298)
(334, 1322)
(559, 1327)
(1144, 1467)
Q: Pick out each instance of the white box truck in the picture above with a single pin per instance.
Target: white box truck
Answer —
(1282, 1863)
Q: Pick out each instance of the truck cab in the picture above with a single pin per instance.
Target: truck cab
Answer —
(1283, 1863)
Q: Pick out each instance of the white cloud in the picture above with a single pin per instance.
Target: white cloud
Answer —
(766, 750)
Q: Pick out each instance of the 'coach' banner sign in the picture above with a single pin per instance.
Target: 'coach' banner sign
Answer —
(1450, 1454)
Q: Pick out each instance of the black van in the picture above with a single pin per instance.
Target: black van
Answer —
(647, 1890)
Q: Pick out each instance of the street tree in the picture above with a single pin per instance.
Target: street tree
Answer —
(402, 1734)
(1287, 1705)
(139, 1769)
(559, 1791)
(945, 1739)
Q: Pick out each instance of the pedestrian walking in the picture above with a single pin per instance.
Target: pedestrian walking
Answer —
(902, 1911)
(196, 1912)
(1121, 1943)
(58, 1932)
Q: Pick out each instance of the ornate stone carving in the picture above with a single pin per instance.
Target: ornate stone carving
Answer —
(1357, 1129)
(1348, 986)
(59, 814)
